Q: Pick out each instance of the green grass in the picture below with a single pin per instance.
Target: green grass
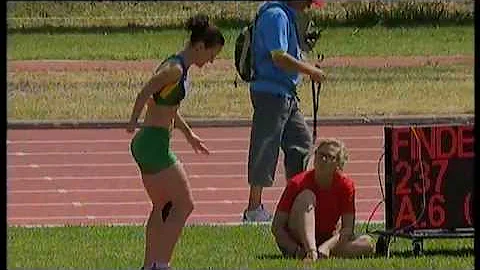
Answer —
(336, 41)
(90, 16)
(247, 246)
(27, 15)
(348, 92)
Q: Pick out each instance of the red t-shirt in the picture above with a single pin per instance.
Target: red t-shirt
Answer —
(331, 202)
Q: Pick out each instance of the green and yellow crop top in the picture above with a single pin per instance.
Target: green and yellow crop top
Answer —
(174, 93)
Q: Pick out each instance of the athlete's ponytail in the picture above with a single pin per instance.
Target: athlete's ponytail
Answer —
(203, 31)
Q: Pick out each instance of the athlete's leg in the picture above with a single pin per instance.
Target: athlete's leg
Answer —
(169, 185)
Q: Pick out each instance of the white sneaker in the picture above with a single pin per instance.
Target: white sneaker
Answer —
(257, 215)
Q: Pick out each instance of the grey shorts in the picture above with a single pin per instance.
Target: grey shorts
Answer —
(277, 123)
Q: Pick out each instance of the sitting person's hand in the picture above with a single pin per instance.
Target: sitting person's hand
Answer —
(322, 254)
(300, 252)
(311, 255)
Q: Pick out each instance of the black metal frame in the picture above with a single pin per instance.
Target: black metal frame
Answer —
(416, 235)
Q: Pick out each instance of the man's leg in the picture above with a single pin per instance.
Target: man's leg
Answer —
(296, 142)
(255, 197)
(269, 118)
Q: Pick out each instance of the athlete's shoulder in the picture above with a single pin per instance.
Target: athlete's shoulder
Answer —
(170, 68)
(302, 177)
(344, 179)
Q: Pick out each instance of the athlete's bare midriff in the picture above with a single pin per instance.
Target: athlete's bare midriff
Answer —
(160, 115)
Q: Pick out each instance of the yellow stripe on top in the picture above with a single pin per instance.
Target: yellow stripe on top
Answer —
(275, 53)
(167, 89)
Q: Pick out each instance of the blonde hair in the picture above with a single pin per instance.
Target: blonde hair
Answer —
(342, 154)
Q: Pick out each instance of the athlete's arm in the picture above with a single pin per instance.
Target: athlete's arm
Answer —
(348, 213)
(165, 76)
(181, 124)
(346, 231)
(196, 142)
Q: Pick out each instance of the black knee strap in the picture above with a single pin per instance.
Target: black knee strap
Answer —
(166, 210)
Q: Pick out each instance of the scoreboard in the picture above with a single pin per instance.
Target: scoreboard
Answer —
(429, 177)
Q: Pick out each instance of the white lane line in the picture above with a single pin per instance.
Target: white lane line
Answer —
(190, 223)
(112, 177)
(132, 164)
(111, 190)
(93, 190)
(114, 217)
(77, 204)
(180, 152)
(243, 139)
(64, 141)
(69, 218)
(138, 203)
(191, 176)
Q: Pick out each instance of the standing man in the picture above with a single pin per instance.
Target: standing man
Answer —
(277, 121)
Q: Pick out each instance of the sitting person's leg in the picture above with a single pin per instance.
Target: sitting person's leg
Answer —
(325, 244)
(362, 245)
(301, 221)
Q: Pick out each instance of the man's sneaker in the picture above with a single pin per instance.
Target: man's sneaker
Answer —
(257, 215)
(157, 267)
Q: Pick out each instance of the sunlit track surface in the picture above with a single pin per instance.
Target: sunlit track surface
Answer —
(60, 177)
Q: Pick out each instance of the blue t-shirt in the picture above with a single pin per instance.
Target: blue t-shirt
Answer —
(275, 31)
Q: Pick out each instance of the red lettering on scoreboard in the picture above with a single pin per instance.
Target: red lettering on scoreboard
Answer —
(406, 213)
(420, 164)
(398, 142)
(465, 144)
(432, 142)
(442, 133)
(427, 142)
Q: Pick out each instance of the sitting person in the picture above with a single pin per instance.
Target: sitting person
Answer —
(315, 216)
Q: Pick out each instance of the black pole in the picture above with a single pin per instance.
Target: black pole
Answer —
(316, 101)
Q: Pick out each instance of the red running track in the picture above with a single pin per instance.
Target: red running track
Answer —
(87, 176)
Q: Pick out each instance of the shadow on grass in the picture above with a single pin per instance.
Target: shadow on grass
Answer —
(395, 254)
(464, 251)
(270, 256)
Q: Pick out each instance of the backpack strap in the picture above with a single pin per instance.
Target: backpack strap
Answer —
(257, 16)
(271, 5)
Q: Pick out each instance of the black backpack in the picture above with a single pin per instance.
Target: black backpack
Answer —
(244, 60)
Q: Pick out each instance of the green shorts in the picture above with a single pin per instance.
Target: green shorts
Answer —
(150, 148)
